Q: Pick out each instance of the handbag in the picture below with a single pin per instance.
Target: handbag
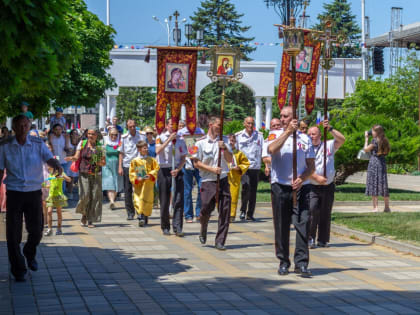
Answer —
(74, 167)
(362, 155)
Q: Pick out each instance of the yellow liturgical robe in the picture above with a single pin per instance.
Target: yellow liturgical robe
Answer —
(234, 178)
(143, 189)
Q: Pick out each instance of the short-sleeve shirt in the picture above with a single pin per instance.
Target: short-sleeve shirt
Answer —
(24, 163)
(28, 114)
(58, 144)
(164, 158)
(282, 160)
(251, 145)
(128, 147)
(319, 161)
(207, 151)
(54, 120)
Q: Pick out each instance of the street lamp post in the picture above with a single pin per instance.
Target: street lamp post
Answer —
(167, 28)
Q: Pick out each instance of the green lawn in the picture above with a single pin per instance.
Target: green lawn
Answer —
(404, 226)
(346, 192)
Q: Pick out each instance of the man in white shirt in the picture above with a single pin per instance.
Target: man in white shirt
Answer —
(128, 151)
(282, 186)
(275, 124)
(164, 153)
(205, 157)
(322, 188)
(250, 142)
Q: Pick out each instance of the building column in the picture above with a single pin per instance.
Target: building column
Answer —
(258, 111)
(102, 114)
(268, 112)
(108, 106)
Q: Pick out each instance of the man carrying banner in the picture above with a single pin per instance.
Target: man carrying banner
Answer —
(282, 185)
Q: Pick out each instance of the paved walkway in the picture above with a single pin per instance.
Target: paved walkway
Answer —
(405, 182)
(121, 268)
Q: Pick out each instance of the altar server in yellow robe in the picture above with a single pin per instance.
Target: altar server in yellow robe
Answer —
(143, 174)
(238, 167)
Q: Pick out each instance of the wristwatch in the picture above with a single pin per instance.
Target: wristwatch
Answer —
(330, 129)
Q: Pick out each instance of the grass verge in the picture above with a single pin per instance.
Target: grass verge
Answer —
(403, 226)
(346, 192)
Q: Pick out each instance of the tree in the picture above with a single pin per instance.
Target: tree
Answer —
(222, 23)
(87, 79)
(393, 103)
(136, 103)
(345, 23)
(239, 101)
(38, 47)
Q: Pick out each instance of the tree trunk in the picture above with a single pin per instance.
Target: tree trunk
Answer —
(344, 171)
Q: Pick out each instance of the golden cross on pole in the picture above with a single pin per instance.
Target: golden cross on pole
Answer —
(327, 38)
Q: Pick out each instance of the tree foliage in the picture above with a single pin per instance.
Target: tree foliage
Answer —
(221, 24)
(345, 23)
(38, 47)
(87, 79)
(136, 103)
(392, 103)
(239, 101)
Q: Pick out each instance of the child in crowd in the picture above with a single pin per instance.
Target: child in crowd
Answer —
(56, 199)
(143, 174)
(238, 167)
(45, 187)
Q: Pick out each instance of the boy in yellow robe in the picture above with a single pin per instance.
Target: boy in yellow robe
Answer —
(143, 174)
(239, 167)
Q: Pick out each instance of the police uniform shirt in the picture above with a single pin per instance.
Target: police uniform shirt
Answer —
(164, 158)
(206, 150)
(282, 160)
(128, 147)
(319, 161)
(23, 163)
(251, 146)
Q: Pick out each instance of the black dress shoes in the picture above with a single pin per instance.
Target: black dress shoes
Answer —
(283, 271)
(142, 221)
(303, 271)
(322, 244)
(166, 232)
(242, 216)
(32, 264)
(251, 219)
(203, 238)
(312, 244)
(219, 246)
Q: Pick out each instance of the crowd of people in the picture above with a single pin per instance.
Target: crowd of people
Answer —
(40, 171)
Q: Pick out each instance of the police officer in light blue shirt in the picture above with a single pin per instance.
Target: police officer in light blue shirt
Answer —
(23, 157)
(282, 185)
(251, 143)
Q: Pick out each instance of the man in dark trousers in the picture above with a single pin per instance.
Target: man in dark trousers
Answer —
(205, 156)
(322, 188)
(23, 157)
(164, 147)
(282, 185)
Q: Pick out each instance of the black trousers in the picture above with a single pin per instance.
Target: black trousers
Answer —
(249, 191)
(321, 199)
(283, 215)
(208, 202)
(128, 193)
(19, 204)
(165, 184)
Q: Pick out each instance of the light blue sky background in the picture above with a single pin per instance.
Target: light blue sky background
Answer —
(133, 21)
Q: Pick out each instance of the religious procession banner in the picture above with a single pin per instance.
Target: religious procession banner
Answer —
(307, 64)
(176, 78)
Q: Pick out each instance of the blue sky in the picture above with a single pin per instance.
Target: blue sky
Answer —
(133, 21)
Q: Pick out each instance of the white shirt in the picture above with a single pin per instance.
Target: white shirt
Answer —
(207, 151)
(164, 158)
(319, 161)
(58, 145)
(282, 160)
(128, 147)
(264, 153)
(24, 163)
(251, 145)
(185, 132)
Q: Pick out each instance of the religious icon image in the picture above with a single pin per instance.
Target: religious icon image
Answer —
(304, 60)
(176, 77)
(225, 65)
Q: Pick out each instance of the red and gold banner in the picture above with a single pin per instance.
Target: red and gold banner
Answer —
(176, 76)
(304, 76)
